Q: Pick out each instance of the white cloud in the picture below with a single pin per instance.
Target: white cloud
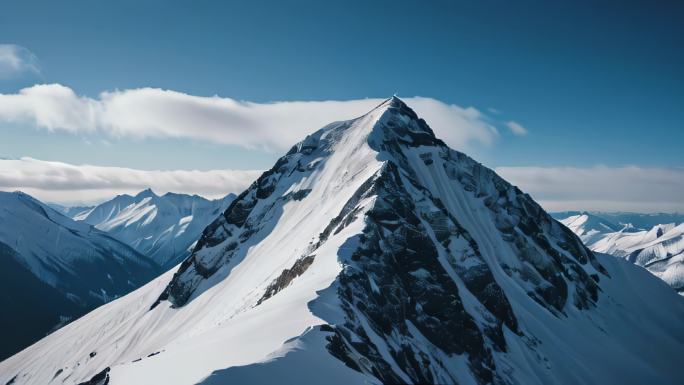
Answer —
(597, 188)
(153, 112)
(16, 60)
(67, 183)
(601, 188)
(516, 128)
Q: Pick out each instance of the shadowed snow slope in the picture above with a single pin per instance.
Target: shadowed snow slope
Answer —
(660, 250)
(373, 253)
(162, 227)
(55, 269)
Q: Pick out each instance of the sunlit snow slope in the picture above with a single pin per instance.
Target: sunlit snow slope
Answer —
(54, 269)
(660, 250)
(162, 227)
(373, 253)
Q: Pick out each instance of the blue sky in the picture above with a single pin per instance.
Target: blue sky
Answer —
(593, 83)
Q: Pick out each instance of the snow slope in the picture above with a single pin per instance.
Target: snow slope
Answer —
(372, 253)
(660, 249)
(68, 268)
(161, 227)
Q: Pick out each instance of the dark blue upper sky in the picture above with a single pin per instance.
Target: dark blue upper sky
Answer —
(595, 82)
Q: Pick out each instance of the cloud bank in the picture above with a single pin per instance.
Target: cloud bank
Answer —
(601, 188)
(16, 60)
(597, 188)
(66, 183)
(157, 113)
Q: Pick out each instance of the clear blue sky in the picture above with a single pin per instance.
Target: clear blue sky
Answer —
(594, 82)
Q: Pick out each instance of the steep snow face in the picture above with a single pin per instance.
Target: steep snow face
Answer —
(161, 227)
(373, 253)
(82, 265)
(660, 250)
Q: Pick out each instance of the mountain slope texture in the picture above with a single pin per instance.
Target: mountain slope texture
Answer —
(372, 253)
(54, 269)
(659, 249)
(163, 228)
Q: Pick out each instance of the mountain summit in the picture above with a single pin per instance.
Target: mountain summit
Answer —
(373, 253)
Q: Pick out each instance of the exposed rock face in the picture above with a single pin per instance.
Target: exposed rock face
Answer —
(401, 287)
(287, 276)
(101, 378)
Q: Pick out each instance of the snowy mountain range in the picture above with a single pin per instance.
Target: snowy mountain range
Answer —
(163, 228)
(54, 269)
(660, 248)
(373, 253)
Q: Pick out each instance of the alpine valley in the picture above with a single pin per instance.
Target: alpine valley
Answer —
(370, 253)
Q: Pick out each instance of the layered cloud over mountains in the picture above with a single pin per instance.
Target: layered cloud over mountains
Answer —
(63, 182)
(602, 188)
(159, 113)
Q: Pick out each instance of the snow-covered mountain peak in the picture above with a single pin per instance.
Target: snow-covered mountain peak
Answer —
(21, 205)
(146, 193)
(371, 252)
(589, 226)
(395, 121)
(378, 201)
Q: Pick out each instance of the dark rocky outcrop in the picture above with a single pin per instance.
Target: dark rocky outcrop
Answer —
(286, 277)
(101, 378)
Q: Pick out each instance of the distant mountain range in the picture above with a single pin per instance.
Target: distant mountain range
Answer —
(163, 228)
(638, 221)
(60, 262)
(55, 269)
(638, 238)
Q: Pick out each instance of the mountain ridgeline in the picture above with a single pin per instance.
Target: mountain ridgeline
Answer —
(373, 253)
